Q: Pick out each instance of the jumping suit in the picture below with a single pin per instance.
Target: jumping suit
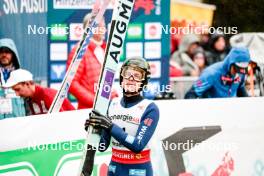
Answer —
(134, 122)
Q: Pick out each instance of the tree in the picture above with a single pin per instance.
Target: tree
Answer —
(246, 15)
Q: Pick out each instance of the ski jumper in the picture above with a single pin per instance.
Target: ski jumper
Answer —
(134, 122)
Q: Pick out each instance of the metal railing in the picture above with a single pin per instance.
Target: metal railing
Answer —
(180, 85)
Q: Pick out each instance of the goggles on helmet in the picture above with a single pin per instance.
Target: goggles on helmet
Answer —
(129, 71)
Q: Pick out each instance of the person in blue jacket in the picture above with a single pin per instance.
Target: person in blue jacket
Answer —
(9, 59)
(9, 62)
(130, 123)
(223, 79)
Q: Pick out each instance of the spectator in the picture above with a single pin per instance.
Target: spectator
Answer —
(199, 59)
(183, 56)
(217, 48)
(38, 99)
(223, 79)
(9, 59)
(86, 78)
(205, 41)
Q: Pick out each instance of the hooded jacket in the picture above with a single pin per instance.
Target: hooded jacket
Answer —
(9, 43)
(181, 57)
(17, 103)
(211, 83)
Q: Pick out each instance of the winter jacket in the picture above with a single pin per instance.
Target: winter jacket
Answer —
(5, 73)
(182, 58)
(17, 103)
(84, 84)
(42, 100)
(216, 80)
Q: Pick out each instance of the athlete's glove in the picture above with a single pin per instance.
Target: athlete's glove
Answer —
(98, 121)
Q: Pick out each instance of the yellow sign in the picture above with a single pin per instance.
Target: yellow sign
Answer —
(192, 12)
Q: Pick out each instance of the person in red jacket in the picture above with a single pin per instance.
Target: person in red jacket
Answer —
(84, 84)
(38, 99)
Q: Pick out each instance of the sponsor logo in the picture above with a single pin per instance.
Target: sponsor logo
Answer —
(126, 118)
(119, 32)
(134, 49)
(226, 167)
(109, 77)
(57, 72)
(141, 133)
(72, 4)
(123, 155)
(128, 156)
(155, 69)
(59, 32)
(153, 50)
(134, 31)
(138, 156)
(153, 31)
(58, 51)
(77, 4)
(146, 5)
(23, 7)
(137, 172)
(148, 121)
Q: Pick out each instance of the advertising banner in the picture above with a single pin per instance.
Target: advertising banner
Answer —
(145, 38)
(194, 137)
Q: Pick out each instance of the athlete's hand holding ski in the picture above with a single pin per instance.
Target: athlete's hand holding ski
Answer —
(98, 121)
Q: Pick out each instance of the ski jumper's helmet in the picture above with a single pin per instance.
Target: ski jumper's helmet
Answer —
(137, 63)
